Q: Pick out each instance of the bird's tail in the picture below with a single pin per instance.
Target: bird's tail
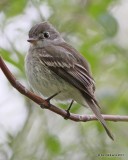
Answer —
(98, 115)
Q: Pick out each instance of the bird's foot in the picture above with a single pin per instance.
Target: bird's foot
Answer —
(46, 103)
(68, 111)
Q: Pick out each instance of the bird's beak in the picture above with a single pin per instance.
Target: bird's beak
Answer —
(32, 40)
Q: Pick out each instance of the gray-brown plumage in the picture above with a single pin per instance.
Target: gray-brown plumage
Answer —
(52, 65)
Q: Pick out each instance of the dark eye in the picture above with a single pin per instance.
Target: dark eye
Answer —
(46, 34)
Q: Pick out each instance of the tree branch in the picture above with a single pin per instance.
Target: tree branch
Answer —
(59, 111)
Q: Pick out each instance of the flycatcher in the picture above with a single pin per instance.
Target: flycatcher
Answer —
(53, 66)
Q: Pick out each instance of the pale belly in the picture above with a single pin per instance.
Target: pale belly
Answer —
(46, 83)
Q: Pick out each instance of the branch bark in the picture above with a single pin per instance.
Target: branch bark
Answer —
(40, 101)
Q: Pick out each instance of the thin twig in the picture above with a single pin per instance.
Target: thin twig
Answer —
(59, 111)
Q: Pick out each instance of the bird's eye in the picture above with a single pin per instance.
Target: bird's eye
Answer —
(46, 34)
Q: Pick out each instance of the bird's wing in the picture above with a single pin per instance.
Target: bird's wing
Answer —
(65, 64)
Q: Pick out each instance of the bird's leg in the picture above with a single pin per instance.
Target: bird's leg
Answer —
(48, 99)
(67, 110)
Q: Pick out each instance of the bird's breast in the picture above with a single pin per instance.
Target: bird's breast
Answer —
(43, 80)
(46, 83)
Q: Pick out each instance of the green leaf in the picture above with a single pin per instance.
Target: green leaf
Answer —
(7, 57)
(108, 23)
(12, 7)
(53, 144)
(97, 7)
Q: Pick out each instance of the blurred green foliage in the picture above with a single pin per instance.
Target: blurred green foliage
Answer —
(12, 7)
(89, 26)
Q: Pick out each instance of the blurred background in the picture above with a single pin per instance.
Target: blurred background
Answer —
(99, 30)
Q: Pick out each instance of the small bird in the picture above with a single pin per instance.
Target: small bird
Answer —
(53, 67)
